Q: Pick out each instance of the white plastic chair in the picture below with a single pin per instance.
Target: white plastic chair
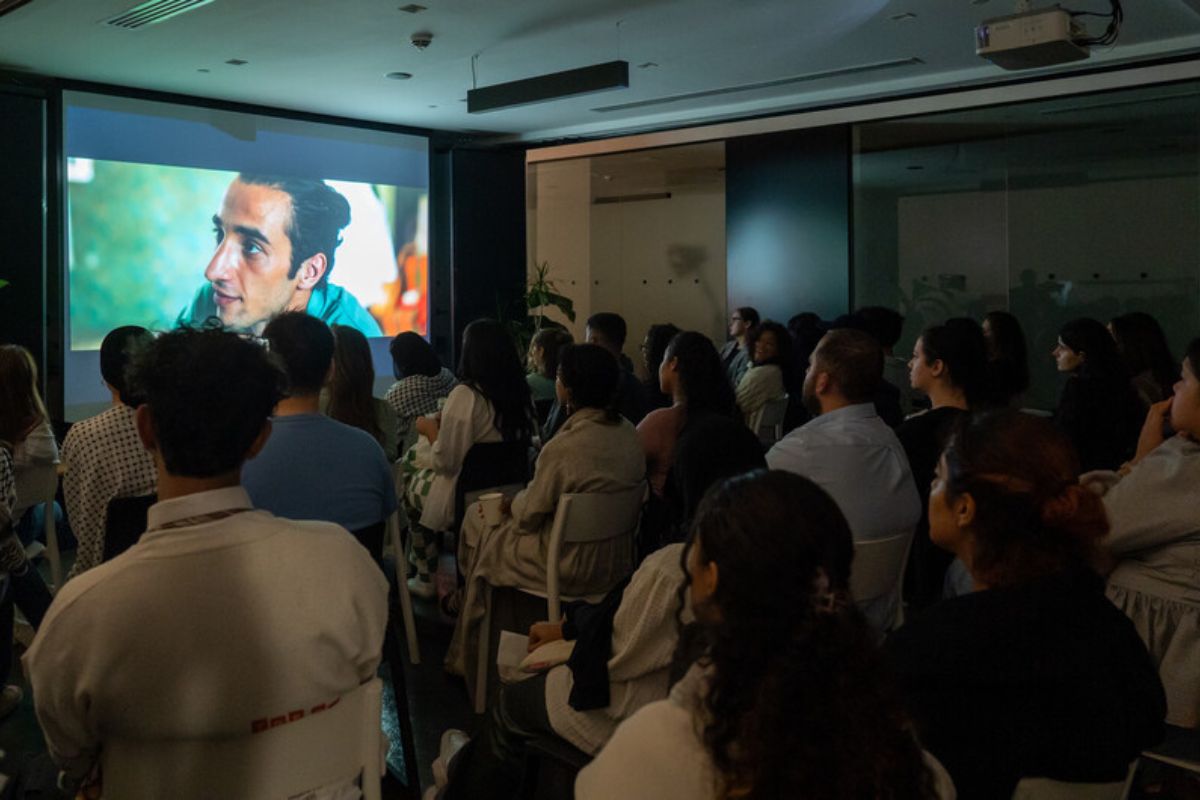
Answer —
(38, 484)
(878, 572)
(312, 757)
(1047, 789)
(768, 422)
(588, 517)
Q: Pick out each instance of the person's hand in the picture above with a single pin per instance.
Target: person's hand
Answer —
(541, 633)
(506, 505)
(428, 427)
(1152, 429)
(1099, 481)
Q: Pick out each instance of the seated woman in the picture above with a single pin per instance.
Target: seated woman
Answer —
(596, 450)
(1155, 537)
(1098, 408)
(1007, 374)
(1035, 673)
(349, 396)
(490, 405)
(772, 374)
(792, 698)
(654, 347)
(421, 382)
(624, 646)
(1145, 354)
(543, 362)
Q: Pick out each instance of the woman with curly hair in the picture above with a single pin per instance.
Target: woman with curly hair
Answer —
(773, 371)
(1035, 673)
(792, 698)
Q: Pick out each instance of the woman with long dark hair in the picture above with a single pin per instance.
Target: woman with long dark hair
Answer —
(421, 382)
(1035, 673)
(1098, 408)
(772, 373)
(654, 347)
(1146, 355)
(351, 396)
(792, 698)
(492, 403)
(1007, 376)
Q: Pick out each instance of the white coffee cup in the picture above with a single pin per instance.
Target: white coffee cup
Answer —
(490, 505)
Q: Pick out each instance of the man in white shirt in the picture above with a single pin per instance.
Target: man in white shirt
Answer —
(849, 451)
(222, 620)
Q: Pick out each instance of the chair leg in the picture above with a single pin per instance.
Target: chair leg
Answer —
(406, 611)
(52, 553)
(481, 658)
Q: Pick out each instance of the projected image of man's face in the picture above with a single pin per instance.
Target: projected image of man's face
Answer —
(248, 272)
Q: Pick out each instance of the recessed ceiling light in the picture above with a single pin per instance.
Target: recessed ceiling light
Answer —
(413, 8)
(237, 62)
(647, 65)
(204, 69)
(398, 76)
(433, 105)
(907, 16)
(915, 167)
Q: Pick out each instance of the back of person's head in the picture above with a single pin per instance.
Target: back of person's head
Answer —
(412, 355)
(351, 389)
(1006, 342)
(115, 352)
(21, 405)
(1143, 347)
(1091, 339)
(610, 327)
(209, 393)
(551, 341)
(701, 375)
(749, 315)
(1031, 518)
(305, 346)
(490, 365)
(959, 345)
(591, 374)
(885, 324)
(319, 213)
(789, 647)
(712, 447)
(657, 339)
(853, 359)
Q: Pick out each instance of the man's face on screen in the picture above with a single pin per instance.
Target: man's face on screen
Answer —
(249, 270)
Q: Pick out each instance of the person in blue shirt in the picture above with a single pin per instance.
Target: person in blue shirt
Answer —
(275, 244)
(313, 467)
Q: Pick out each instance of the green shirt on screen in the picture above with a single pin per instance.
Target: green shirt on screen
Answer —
(331, 304)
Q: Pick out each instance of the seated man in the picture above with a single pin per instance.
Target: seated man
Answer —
(222, 616)
(315, 467)
(849, 451)
(103, 456)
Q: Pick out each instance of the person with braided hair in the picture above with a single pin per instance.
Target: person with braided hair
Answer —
(792, 698)
(1035, 673)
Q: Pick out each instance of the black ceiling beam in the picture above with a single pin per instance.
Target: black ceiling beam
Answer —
(572, 82)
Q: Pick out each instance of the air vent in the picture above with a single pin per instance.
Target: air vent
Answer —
(9, 6)
(153, 12)
(749, 87)
(631, 198)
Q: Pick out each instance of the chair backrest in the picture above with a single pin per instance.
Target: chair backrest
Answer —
(324, 751)
(491, 464)
(36, 484)
(768, 425)
(878, 569)
(125, 522)
(1047, 789)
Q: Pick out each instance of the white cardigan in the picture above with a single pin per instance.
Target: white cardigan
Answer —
(467, 419)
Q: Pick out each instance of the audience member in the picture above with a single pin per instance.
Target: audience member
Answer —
(792, 699)
(350, 395)
(735, 354)
(772, 373)
(1146, 355)
(947, 367)
(1035, 673)
(39, 450)
(596, 450)
(691, 373)
(221, 617)
(654, 347)
(887, 394)
(624, 646)
(608, 330)
(102, 456)
(849, 451)
(543, 360)
(421, 383)
(1007, 360)
(1098, 409)
(491, 404)
(314, 467)
(887, 325)
(1155, 537)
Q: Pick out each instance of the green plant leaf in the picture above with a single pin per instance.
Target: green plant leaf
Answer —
(3, 283)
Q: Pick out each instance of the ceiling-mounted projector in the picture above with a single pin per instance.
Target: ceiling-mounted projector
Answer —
(1032, 39)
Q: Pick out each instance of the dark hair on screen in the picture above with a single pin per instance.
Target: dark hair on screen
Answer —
(319, 213)
(593, 376)
(305, 346)
(609, 325)
(1143, 348)
(1008, 347)
(351, 389)
(412, 355)
(116, 351)
(800, 700)
(701, 375)
(784, 358)
(1032, 518)
(657, 339)
(490, 365)
(885, 324)
(1101, 359)
(854, 359)
(959, 345)
(552, 341)
(21, 406)
(210, 392)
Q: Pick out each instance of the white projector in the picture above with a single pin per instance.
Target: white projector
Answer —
(1031, 39)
